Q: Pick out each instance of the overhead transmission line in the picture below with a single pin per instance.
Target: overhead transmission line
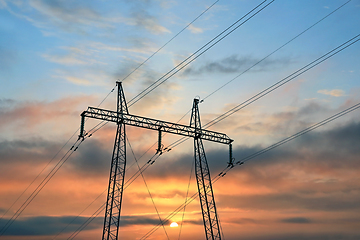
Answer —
(107, 97)
(208, 8)
(186, 199)
(254, 155)
(306, 130)
(275, 86)
(23, 192)
(195, 55)
(159, 84)
(52, 172)
(102, 207)
(251, 100)
(285, 80)
(243, 160)
(200, 51)
(140, 170)
(148, 190)
(41, 186)
(267, 56)
(127, 184)
(270, 89)
(48, 163)
(283, 46)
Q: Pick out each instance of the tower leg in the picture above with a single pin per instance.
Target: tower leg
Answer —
(117, 174)
(116, 184)
(206, 196)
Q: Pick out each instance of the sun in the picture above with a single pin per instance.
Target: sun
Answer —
(174, 224)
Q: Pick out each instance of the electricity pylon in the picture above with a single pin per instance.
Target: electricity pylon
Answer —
(206, 196)
(117, 171)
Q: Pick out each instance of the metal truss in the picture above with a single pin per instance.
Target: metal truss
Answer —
(117, 172)
(203, 178)
(154, 124)
(117, 175)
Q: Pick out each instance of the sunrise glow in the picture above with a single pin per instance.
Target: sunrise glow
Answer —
(265, 73)
(174, 224)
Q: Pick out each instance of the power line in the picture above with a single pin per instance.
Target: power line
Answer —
(46, 179)
(252, 156)
(80, 214)
(193, 56)
(240, 162)
(38, 175)
(148, 190)
(19, 211)
(306, 130)
(270, 89)
(33, 195)
(186, 198)
(285, 80)
(112, 90)
(287, 43)
(89, 220)
(169, 74)
(298, 35)
(102, 207)
(276, 85)
(207, 9)
(40, 187)
(144, 63)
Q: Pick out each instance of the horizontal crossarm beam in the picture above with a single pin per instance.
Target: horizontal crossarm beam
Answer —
(143, 122)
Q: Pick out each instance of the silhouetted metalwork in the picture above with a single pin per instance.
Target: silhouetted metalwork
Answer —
(203, 179)
(117, 172)
(154, 124)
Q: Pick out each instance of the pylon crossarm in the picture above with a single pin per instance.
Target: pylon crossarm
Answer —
(154, 124)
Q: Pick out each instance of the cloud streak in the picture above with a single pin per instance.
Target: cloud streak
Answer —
(236, 64)
(333, 93)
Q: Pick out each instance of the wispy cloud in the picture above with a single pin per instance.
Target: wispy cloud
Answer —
(74, 17)
(78, 81)
(145, 20)
(141, 17)
(64, 60)
(195, 30)
(334, 92)
(70, 56)
(235, 64)
(300, 220)
(70, 16)
(31, 115)
(106, 47)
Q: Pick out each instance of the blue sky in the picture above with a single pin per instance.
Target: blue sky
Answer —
(58, 57)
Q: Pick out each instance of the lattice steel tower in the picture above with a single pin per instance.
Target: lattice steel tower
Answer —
(202, 172)
(118, 163)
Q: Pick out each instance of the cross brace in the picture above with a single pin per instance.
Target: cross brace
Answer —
(143, 122)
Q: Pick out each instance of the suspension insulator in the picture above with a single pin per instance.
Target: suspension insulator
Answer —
(231, 159)
(159, 149)
(82, 125)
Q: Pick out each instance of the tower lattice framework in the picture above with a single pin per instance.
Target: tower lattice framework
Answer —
(118, 162)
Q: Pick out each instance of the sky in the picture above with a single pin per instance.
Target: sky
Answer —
(59, 57)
